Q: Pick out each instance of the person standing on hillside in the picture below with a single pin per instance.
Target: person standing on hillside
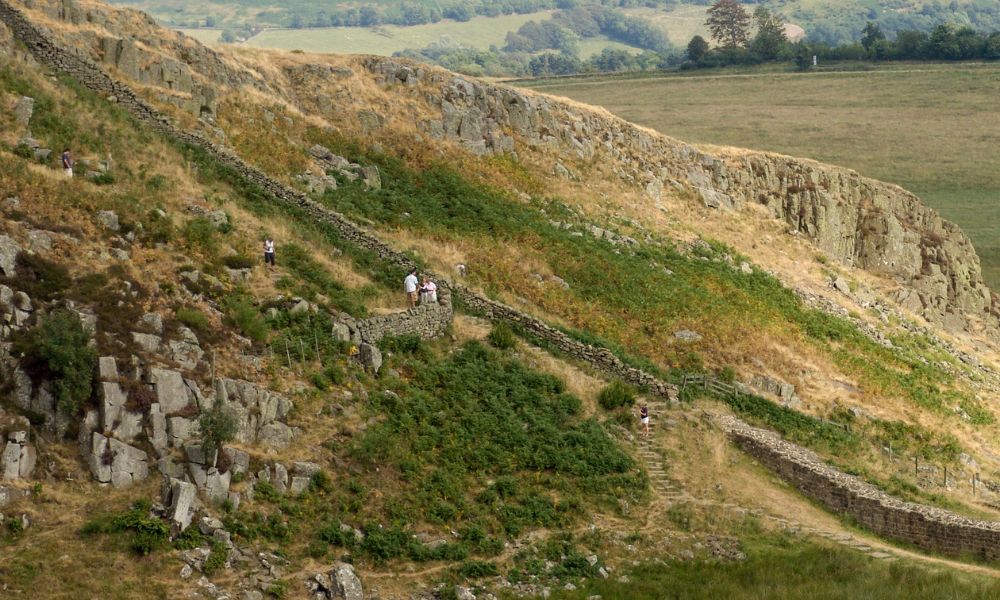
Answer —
(67, 163)
(410, 287)
(428, 291)
(644, 419)
(269, 252)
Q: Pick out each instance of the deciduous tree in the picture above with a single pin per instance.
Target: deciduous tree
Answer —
(729, 23)
(697, 48)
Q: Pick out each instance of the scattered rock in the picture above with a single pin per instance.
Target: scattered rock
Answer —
(8, 254)
(108, 219)
(370, 357)
(686, 335)
(840, 284)
(23, 110)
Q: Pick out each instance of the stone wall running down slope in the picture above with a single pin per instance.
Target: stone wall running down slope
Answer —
(49, 52)
(929, 528)
(859, 221)
(926, 527)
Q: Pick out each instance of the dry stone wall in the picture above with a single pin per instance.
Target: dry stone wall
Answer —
(929, 528)
(47, 51)
(426, 320)
(792, 190)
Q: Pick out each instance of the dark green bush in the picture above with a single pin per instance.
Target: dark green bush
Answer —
(238, 261)
(477, 569)
(24, 151)
(103, 178)
(218, 426)
(244, 316)
(200, 233)
(616, 394)
(408, 344)
(193, 318)
(216, 558)
(502, 336)
(146, 533)
(58, 349)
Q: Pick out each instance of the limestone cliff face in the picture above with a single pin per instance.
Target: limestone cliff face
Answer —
(859, 221)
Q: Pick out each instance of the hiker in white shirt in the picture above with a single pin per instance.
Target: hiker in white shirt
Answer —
(410, 287)
(269, 252)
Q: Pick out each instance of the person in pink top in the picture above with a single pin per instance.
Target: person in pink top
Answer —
(428, 291)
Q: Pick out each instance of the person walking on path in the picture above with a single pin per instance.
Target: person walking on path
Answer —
(428, 291)
(67, 163)
(269, 252)
(644, 419)
(410, 287)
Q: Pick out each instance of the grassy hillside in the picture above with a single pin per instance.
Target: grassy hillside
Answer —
(927, 128)
(477, 459)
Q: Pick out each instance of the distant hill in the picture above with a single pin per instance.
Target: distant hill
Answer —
(830, 22)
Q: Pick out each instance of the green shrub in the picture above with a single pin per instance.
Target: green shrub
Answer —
(24, 151)
(244, 316)
(218, 426)
(502, 336)
(278, 589)
(103, 178)
(216, 558)
(58, 349)
(337, 536)
(477, 569)
(158, 227)
(146, 533)
(189, 538)
(405, 344)
(238, 261)
(616, 394)
(156, 183)
(200, 233)
(193, 318)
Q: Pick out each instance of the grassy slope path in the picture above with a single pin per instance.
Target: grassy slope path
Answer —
(930, 128)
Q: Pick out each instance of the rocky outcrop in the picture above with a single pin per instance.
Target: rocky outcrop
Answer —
(340, 583)
(160, 406)
(259, 413)
(18, 458)
(861, 222)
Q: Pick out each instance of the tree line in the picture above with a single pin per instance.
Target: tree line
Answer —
(742, 38)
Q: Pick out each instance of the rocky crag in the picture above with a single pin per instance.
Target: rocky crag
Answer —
(859, 221)
(112, 430)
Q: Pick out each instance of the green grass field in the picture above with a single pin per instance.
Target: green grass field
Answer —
(480, 32)
(929, 128)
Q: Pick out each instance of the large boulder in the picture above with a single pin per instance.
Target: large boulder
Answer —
(182, 495)
(370, 357)
(346, 583)
(23, 110)
(8, 254)
(171, 391)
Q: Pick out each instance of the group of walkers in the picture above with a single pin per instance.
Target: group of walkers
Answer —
(425, 290)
